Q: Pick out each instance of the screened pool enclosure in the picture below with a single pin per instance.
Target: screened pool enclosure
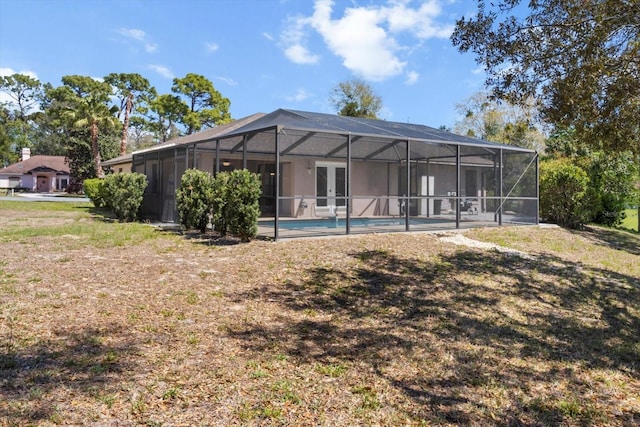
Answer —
(326, 174)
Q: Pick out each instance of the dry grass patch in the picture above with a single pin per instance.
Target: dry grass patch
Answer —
(399, 329)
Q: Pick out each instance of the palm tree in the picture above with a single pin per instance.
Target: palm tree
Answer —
(84, 102)
(128, 87)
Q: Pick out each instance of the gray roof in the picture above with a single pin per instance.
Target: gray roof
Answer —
(283, 119)
(204, 135)
(126, 158)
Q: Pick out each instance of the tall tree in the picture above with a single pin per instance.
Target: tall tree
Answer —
(355, 98)
(84, 101)
(580, 58)
(25, 93)
(206, 106)
(164, 112)
(7, 156)
(486, 118)
(140, 133)
(132, 92)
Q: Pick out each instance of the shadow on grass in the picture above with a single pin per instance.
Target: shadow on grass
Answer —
(469, 315)
(628, 241)
(77, 360)
(210, 238)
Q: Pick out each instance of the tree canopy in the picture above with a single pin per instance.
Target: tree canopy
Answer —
(83, 102)
(485, 118)
(131, 90)
(580, 59)
(206, 107)
(88, 119)
(355, 98)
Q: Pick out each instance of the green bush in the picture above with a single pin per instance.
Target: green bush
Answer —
(219, 201)
(123, 194)
(94, 190)
(194, 199)
(242, 208)
(563, 193)
(611, 185)
(230, 197)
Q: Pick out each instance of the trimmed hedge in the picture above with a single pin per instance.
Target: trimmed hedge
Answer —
(123, 194)
(242, 207)
(231, 198)
(563, 193)
(193, 199)
(94, 190)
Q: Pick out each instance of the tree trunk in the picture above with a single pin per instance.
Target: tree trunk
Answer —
(95, 149)
(125, 125)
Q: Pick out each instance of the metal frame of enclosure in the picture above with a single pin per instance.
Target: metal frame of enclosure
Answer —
(329, 175)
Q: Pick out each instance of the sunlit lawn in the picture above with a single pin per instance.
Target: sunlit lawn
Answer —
(631, 220)
(103, 323)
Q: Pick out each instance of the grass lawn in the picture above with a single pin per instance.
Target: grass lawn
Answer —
(104, 323)
(631, 220)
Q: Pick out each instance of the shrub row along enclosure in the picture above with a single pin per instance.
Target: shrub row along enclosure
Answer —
(120, 192)
(228, 202)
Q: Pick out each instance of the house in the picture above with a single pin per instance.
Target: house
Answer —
(42, 174)
(118, 164)
(326, 174)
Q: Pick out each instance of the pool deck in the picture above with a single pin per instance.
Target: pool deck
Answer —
(378, 225)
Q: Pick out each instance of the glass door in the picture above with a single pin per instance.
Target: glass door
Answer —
(331, 187)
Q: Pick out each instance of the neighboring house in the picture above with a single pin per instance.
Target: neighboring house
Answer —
(329, 174)
(118, 164)
(42, 174)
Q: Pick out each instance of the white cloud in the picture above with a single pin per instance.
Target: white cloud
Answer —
(267, 36)
(5, 71)
(300, 55)
(162, 70)
(419, 22)
(300, 95)
(132, 33)
(293, 40)
(226, 80)
(412, 78)
(138, 36)
(364, 37)
(478, 70)
(211, 47)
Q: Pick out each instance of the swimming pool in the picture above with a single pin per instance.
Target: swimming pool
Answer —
(294, 224)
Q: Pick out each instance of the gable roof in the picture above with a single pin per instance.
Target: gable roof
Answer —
(38, 164)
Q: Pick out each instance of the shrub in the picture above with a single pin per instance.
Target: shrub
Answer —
(242, 208)
(230, 197)
(194, 199)
(563, 190)
(123, 194)
(219, 202)
(611, 185)
(94, 190)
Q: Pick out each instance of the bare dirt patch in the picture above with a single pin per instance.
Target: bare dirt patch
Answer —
(395, 329)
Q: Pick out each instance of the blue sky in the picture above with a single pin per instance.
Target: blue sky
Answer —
(261, 54)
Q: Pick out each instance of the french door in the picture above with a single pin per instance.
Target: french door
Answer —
(331, 187)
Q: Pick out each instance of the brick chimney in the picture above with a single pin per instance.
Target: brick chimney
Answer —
(26, 154)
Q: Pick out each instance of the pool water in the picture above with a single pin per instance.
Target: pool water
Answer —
(334, 223)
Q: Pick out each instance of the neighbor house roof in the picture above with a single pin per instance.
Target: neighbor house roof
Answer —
(36, 164)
